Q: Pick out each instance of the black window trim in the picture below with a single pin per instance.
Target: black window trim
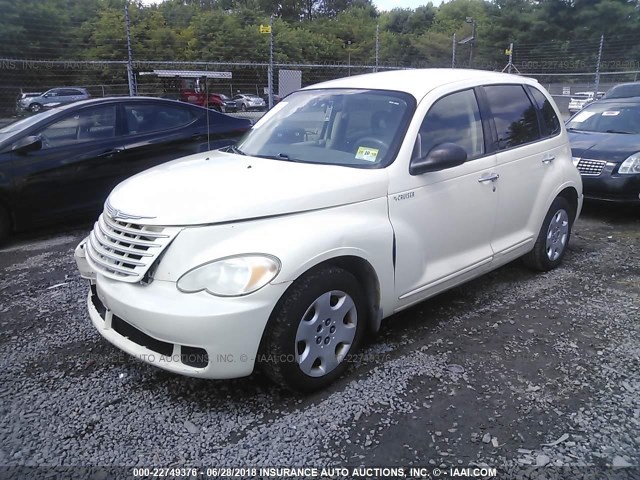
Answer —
(495, 130)
(483, 121)
(543, 127)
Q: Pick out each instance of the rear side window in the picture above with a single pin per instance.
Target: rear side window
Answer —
(550, 121)
(68, 92)
(514, 115)
(144, 118)
(452, 119)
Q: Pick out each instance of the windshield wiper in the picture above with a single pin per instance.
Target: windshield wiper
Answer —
(618, 131)
(280, 156)
(233, 149)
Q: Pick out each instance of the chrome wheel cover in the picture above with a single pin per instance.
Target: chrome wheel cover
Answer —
(557, 235)
(325, 333)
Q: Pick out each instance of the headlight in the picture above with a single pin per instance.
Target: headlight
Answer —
(631, 165)
(231, 276)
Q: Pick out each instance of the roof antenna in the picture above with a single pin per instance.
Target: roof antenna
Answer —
(206, 102)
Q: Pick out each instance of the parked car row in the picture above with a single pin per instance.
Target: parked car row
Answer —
(580, 99)
(185, 252)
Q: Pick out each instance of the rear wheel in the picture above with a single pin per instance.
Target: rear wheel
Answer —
(553, 239)
(35, 107)
(318, 322)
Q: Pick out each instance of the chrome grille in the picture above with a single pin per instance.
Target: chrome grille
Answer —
(125, 251)
(591, 167)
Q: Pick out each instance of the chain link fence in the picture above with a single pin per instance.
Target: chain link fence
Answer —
(563, 68)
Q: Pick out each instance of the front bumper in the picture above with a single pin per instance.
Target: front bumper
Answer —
(197, 334)
(612, 187)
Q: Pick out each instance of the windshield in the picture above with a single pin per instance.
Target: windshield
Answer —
(358, 128)
(27, 122)
(608, 117)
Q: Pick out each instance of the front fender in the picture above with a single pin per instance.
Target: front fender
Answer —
(301, 241)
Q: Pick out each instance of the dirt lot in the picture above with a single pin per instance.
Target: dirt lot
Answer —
(485, 374)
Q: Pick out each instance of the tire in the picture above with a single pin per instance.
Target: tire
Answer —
(553, 239)
(35, 107)
(5, 225)
(243, 107)
(305, 366)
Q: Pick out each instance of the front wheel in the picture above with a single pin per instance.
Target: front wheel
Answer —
(35, 107)
(243, 107)
(553, 239)
(318, 322)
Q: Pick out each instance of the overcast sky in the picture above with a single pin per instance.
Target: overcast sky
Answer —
(381, 4)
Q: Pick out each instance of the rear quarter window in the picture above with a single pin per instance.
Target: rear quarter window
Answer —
(550, 121)
(515, 117)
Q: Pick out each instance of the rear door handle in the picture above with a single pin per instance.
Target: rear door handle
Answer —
(489, 177)
(548, 158)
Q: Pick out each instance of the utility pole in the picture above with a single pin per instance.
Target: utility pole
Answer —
(270, 72)
(453, 52)
(130, 78)
(377, 46)
(473, 39)
(349, 54)
(597, 79)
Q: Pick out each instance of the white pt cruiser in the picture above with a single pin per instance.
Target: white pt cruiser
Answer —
(348, 202)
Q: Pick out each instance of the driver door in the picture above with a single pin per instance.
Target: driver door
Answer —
(443, 220)
(67, 175)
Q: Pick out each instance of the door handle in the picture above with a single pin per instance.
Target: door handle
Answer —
(113, 151)
(489, 177)
(548, 158)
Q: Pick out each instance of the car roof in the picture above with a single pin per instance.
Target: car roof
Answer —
(421, 81)
(625, 84)
(631, 100)
(106, 100)
(70, 86)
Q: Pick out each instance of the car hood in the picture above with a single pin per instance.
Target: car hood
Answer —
(216, 187)
(613, 147)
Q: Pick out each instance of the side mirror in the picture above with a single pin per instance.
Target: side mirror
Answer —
(440, 157)
(27, 144)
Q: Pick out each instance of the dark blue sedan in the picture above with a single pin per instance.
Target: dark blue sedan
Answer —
(605, 143)
(63, 163)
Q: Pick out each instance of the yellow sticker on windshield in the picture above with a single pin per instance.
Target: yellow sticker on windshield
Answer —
(367, 154)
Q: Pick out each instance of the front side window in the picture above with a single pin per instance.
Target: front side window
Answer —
(515, 117)
(145, 118)
(608, 118)
(88, 125)
(351, 127)
(452, 119)
(549, 118)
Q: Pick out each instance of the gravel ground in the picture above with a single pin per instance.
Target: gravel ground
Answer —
(485, 374)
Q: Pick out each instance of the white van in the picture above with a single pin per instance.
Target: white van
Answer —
(349, 201)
